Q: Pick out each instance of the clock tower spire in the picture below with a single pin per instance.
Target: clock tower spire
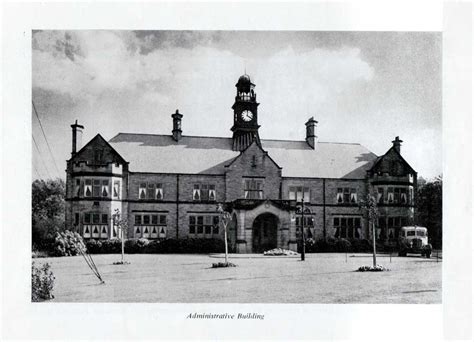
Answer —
(245, 126)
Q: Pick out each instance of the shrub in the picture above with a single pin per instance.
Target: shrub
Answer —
(378, 268)
(342, 245)
(94, 246)
(67, 244)
(133, 246)
(112, 246)
(361, 246)
(223, 264)
(42, 282)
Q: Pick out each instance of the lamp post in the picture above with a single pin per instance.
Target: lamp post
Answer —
(303, 242)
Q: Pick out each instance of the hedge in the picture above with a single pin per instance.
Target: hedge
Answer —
(138, 246)
(332, 245)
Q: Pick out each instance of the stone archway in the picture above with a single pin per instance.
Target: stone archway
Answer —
(264, 232)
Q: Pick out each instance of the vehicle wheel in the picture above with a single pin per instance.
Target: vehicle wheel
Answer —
(428, 254)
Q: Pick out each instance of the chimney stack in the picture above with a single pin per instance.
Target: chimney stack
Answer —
(76, 137)
(311, 137)
(177, 125)
(397, 143)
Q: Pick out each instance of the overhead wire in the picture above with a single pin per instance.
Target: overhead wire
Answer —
(47, 143)
(41, 157)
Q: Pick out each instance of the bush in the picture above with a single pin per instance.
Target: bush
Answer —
(133, 246)
(191, 246)
(342, 245)
(42, 282)
(361, 246)
(67, 244)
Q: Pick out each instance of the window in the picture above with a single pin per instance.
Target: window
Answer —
(196, 192)
(77, 188)
(151, 191)
(192, 225)
(150, 226)
(253, 189)
(204, 192)
(94, 187)
(98, 156)
(117, 189)
(138, 219)
(254, 161)
(347, 227)
(403, 196)
(393, 225)
(212, 192)
(105, 188)
(159, 191)
(380, 197)
(394, 195)
(96, 225)
(346, 195)
(297, 192)
(390, 195)
(88, 188)
(142, 191)
(203, 225)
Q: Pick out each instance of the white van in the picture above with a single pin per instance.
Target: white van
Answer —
(414, 239)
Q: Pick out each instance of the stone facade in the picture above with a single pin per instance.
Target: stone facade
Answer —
(265, 203)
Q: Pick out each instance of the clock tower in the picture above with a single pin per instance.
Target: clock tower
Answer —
(245, 126)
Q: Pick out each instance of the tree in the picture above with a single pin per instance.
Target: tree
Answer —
(370, 206)
(48, 208)
(430, 209)
(122, 226)
(225, 218)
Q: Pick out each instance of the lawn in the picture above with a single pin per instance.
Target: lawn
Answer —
(322, 278)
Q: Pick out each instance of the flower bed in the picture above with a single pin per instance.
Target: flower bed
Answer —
(279, 252)
(223, 264)
(378, 268)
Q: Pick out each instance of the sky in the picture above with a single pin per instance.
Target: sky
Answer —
(361, 87)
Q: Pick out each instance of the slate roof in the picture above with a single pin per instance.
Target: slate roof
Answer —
(209, 155)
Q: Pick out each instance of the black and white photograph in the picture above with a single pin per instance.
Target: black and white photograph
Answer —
(208, 174)
(290, 159)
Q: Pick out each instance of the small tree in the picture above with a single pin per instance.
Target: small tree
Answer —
(370, 206)
(122, 226)
(225, 217)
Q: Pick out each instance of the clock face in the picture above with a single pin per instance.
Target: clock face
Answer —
(247, 115)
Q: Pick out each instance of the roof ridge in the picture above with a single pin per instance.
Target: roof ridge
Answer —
(169, 135)
(303, 141)
(216, 137)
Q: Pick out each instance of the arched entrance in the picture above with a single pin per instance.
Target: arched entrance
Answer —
(265, 229)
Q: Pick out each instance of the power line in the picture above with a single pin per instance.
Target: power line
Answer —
(41, 157)
(47, 143)
(37, 172)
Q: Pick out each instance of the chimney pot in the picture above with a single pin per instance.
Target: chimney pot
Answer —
(177, 116)
(76, 137)
(311, 137)
(397, 143)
